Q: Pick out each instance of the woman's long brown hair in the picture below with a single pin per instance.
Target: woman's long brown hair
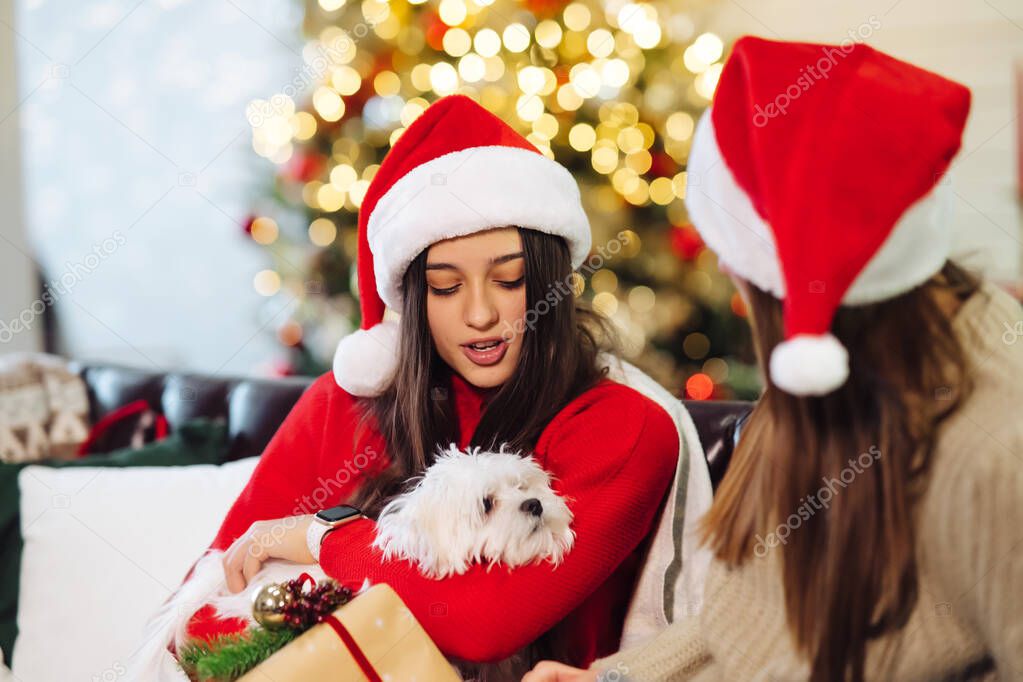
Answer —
(558, 362)
(848, 567)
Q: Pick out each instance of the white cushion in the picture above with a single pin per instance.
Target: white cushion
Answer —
(104, 547)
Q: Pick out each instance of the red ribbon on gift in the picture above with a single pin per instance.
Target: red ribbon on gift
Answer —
(353, 647)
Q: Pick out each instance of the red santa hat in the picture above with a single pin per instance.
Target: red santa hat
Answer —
(457, 170)
(818, 175)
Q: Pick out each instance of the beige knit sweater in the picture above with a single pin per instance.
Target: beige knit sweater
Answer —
(968, 622)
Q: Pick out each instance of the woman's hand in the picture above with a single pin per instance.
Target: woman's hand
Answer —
(274, 539)
(550, 671)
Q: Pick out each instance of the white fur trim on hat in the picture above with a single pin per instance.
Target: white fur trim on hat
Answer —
(468, 191)
(809, 364)
(365, 361)
(723, 214)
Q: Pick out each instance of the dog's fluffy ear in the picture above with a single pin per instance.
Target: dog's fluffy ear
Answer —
(412, 527)
(434, 524)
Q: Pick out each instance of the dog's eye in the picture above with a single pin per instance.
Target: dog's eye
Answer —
(488, 504)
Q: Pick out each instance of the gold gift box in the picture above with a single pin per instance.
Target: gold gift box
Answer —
(385, 630)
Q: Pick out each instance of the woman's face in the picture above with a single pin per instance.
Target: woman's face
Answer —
(476, 292)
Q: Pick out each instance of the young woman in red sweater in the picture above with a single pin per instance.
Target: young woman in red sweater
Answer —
(472, 236)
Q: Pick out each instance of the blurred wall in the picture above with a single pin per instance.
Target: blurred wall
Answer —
(974, 42)
(17, 270)
(138, 173)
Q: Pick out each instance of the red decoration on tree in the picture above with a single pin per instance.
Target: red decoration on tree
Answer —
(686, 242)
(544, 9)
(305, 167)
(662, 165)
(738, 305)
(699, 387)
(247, 223)
(435, 30)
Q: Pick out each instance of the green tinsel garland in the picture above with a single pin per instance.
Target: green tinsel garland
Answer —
(228, 657)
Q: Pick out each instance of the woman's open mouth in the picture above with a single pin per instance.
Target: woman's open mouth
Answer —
(485, 352)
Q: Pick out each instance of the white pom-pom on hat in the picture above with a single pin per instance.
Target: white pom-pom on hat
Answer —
(365, 361)
(809, 364)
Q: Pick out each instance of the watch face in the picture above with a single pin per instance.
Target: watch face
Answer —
(338, 513)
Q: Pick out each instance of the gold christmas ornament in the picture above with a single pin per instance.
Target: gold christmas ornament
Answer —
(268, 605)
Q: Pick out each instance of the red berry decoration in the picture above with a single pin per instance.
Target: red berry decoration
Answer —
(686, 242)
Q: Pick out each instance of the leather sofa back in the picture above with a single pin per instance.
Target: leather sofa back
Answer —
(254, 408)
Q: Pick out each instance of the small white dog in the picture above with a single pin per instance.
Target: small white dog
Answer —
(476, 506)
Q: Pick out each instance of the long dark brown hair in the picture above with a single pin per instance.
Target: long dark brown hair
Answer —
(558, 362)
(848, 567)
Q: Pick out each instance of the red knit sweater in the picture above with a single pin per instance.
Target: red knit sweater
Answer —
(612, 452)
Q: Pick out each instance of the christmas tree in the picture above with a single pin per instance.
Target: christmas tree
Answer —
(610, 89)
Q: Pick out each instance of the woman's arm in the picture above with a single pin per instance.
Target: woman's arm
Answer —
(676, 653)
(613, 459)
(284, 481)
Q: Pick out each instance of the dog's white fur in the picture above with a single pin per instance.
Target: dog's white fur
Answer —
(442, 523)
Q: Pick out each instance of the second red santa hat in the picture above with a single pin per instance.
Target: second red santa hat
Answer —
(817, 175)
(455, 171)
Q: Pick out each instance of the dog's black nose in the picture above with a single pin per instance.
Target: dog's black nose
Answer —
(532, 506)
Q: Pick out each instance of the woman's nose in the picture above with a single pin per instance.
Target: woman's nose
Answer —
(480, 313)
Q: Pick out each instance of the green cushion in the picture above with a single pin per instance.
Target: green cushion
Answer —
(201, 441)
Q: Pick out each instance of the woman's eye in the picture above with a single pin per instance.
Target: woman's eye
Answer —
(444, 292)
(488, 504)
(514, 284)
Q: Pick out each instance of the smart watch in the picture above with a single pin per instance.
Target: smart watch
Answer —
(327, 520)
